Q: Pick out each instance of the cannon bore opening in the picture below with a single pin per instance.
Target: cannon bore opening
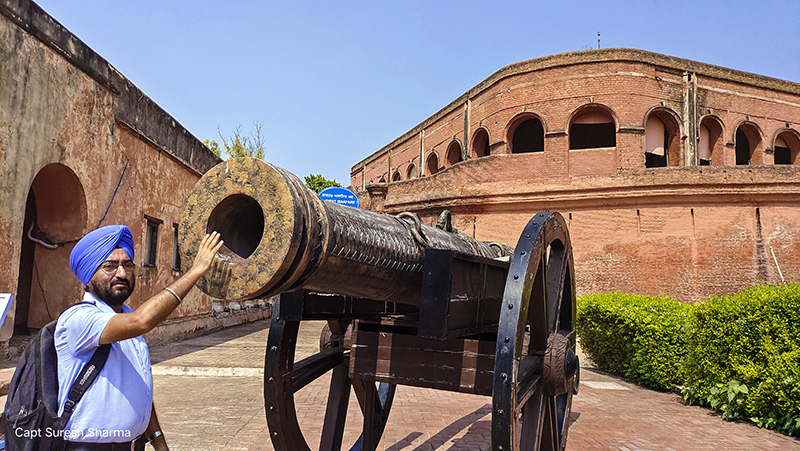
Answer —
(239, 220)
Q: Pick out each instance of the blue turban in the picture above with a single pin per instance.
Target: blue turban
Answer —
(94, 248)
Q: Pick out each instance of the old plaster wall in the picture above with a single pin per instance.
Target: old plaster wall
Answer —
(156, 187)
(81, 146)
(686, 230)
(50, 113)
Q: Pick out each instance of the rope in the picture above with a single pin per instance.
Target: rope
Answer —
(115, 192)
(41, 288)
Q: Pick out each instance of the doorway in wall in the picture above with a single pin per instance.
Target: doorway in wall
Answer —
(55, 217)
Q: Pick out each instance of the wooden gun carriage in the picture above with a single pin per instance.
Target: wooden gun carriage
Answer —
(405, 304)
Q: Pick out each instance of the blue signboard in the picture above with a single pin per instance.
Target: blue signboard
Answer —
(341, 196)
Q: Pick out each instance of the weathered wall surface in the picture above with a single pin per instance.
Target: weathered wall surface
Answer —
(686, 230)
(90, 149)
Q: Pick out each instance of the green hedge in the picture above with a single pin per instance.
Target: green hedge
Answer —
(637, 337)
(738, 354)
(751, 338)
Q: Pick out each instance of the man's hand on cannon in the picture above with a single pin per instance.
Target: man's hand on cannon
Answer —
(156, 309)
(209, 246)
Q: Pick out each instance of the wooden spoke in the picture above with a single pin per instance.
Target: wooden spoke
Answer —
(310, 369)
(336, 411)
(376, 402)
(283, 377)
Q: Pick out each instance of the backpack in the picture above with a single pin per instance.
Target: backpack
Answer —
(30, 420)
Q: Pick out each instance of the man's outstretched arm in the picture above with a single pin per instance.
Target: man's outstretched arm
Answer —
(156, 309)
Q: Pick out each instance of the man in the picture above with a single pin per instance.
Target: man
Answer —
(117, 409)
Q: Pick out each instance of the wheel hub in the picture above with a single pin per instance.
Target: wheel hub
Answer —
(560, 365)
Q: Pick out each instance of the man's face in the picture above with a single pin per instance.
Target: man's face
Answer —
(115, 287)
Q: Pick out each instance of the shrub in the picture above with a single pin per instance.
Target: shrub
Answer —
(751, 338)
(640, 338)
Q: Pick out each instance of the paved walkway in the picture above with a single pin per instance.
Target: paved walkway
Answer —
(209, 397)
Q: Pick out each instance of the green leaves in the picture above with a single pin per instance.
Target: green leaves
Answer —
(238, 145)
(729, 399)
(318, 183)
(748, 342)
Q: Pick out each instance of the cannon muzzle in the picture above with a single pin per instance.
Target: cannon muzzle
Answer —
(279, 236)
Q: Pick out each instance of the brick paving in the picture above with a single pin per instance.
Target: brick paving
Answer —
(209, 397)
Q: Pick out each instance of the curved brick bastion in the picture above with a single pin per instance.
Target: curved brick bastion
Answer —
(676, 177)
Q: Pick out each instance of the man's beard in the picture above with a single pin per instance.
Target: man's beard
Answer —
(112, 296)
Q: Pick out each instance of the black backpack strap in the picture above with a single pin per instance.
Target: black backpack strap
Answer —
(87, 375)
(85, 378)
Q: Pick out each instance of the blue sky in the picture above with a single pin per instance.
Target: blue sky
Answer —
(331, 82)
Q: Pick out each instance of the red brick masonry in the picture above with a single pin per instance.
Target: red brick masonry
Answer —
(686, 229)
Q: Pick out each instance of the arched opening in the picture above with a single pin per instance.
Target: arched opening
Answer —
(747, 140)
(55, 217)
(710, 150)
(480, 143)
(742, 148)
(432, 165)
(382, 179)
(787, 147)
(662, 146)
(655, 133)
(396, 176)
(453, 154)
(782, 153)
(411, 172)
(592, 128)
(528, 136)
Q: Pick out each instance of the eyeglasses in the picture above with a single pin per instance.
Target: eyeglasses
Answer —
(111, 267)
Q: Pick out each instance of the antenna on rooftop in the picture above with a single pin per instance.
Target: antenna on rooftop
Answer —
(598, 39)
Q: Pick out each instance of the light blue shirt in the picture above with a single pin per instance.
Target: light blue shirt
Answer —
(117, 406)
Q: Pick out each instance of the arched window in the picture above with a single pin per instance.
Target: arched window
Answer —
(655, 133)
(783, 155)
(453, 154)
(704, 150)
(382, 179)
(480, 143)
(528, 137)
(662, 146)
(787, 147)
(591, 129)
(396, 176)
(411, 172)
(742, 148)
(432, 165)
(749, 144)
(749, 148)
(709, 151)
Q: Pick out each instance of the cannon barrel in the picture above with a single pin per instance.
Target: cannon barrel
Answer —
(279, 236)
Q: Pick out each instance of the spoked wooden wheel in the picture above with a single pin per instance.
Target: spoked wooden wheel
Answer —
(535, 373)
(283, 377)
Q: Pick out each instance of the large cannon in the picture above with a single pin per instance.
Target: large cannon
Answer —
(405, 304)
